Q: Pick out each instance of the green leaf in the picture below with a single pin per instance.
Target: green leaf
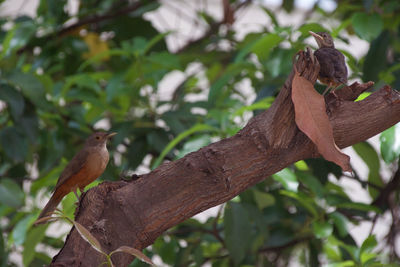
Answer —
(369, 244)
(368, 259)
(303, 199)
(263, 199)
(311, 182)
(363, 96)
(279, 62)
(301, 165)
(262, 47)
(390, 143)
(21, 228)
(288, 5)
(82, 80)
(179, 138)
(167, 250)
(194, 144)
(322, 229)
(347, 263)
(34, 237)
(137, 151)
(280, 237)
(358, 206)
(11, 193)
(3, 251)
(332, 250)
(371, 158)
(69, 202)
(14, 100)
(216, 89)
(115, 86)
(179, 121)
(29, 125)
(315, 27)
(271, 15)
(150, 44)
(343, 25)
(367, 26)
(104, 54)
(340, 222)
(389, 75)
(287, 178)
(30, 86)
(18, 37)
(13, 143)
(376, 58)
(237, 229)
(50, 178)
(321, 168)
(261, 104)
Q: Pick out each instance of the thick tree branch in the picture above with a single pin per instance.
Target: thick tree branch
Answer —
(136, 213)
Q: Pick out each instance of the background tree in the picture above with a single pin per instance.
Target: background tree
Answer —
(62, 78)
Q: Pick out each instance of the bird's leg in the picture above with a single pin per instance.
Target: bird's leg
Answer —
(76, 193)
(338, 86)
(327, 89)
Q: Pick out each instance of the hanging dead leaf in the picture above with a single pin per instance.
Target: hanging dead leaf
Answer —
(311, 118)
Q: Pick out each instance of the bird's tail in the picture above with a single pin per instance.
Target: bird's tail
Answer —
(50, 207)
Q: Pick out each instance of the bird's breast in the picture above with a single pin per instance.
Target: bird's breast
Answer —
(97, 162)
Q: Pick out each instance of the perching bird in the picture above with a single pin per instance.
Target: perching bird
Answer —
(333, 70)
(85, 167)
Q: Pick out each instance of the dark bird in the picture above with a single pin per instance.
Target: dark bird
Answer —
(85, 167)
(333, 70)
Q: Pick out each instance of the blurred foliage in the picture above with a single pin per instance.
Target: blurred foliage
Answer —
(63, 75)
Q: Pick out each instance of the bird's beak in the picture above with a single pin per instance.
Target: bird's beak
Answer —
(110, 135)
(316, 36)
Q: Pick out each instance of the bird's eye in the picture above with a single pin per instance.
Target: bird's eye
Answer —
(97, 137)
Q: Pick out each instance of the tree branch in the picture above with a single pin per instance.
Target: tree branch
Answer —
(136, 213)
(213, 28)
(89, 20)
(382, 199)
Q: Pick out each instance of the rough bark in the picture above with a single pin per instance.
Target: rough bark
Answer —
(136, 213)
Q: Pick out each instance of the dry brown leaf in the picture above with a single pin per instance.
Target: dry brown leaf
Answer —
(137, 253)
(88, 237)
(311, 118)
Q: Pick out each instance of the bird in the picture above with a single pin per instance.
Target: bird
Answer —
(333, 69)
(85, 167)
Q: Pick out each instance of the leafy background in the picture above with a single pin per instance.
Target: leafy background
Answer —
(172, 84)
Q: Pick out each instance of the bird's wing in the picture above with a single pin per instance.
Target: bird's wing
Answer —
(74, 166)
(341, 73)
(327, 69)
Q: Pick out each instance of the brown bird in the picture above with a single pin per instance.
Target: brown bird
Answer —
(333, 70)
(85, 167)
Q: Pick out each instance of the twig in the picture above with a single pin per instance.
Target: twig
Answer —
(363, 183)
(215, 226)
(289, 244)
(393, 185)
(214, 28)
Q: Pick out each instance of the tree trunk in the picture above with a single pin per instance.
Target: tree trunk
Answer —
(135, 213)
